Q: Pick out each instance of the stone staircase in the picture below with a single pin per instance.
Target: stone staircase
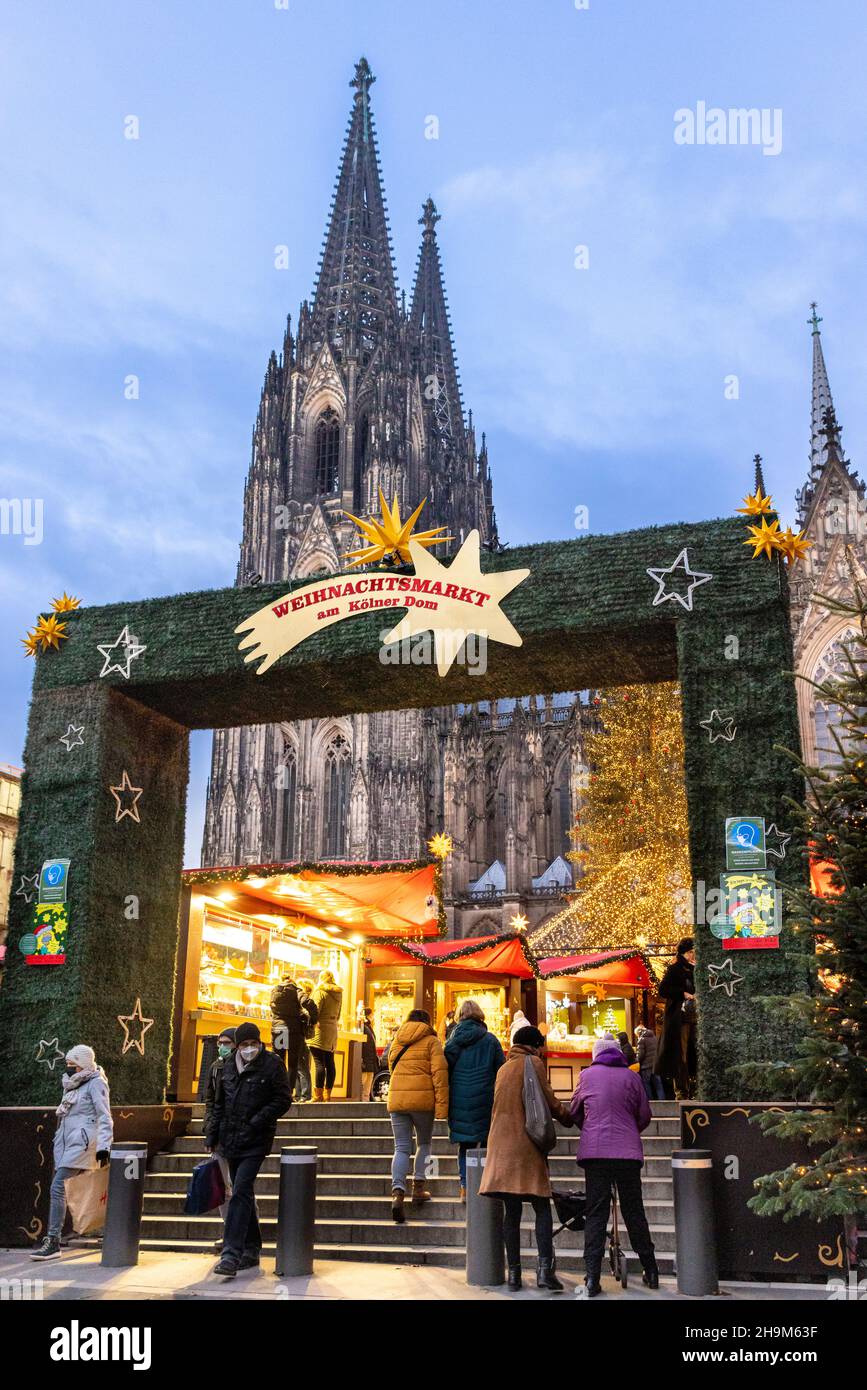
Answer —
(353, 1190)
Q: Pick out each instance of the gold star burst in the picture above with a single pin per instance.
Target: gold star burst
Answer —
(764, 539)
(756, 504)
(793, 544)
(31, 643)
(50, 632)
(66, 604)
(440, 845)
(391, 535)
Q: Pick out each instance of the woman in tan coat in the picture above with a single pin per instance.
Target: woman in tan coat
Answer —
(515, 1169)
(418, 1093)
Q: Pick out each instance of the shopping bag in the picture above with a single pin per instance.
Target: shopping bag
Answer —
(206, 1190)
(538, 1121)
(87, 1199)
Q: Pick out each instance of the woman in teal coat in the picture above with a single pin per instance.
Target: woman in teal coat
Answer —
(474, 1056)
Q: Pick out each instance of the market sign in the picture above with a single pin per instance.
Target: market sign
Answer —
(453, 602)
(745, 842)
(45, 943)
(749, 916)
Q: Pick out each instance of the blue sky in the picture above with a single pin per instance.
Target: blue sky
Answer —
(600, 387)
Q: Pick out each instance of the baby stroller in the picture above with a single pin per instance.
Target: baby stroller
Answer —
(379, 1085)
(571, 1207)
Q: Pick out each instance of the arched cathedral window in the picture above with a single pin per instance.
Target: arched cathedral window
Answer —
(362, 448)
(827, 716)
(286, 791)
(337, 763)
(327, 439)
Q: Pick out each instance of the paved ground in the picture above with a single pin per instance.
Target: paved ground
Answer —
(79, 1275)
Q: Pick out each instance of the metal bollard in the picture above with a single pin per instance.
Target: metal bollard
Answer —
(296, 1211)
(486, 1253)
(695, 1236)
(126, 1180)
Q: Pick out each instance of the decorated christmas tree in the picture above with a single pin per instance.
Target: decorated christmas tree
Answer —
(631, 836)
(828, 1063)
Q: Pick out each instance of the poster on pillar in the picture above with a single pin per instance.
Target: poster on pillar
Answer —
(750, 912)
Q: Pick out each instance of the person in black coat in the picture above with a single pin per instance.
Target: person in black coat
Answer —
(225, 1050)
(292, 1012)
(369, 1056)
(252, 1093)
(676, 1059)
(626, 1048)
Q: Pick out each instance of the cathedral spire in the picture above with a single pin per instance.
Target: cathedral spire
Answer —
(821, 400)
(429, 316)
(760, 477)
(355, 289)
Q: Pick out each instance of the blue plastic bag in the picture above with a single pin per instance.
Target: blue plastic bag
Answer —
(206, 1190)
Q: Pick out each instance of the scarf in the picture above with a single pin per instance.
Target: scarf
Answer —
(70, 1087)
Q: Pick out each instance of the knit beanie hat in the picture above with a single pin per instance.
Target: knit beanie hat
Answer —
(528, 1037)
(83, 1056)
(607, 1040)
(228, 1033)
(246, 1032)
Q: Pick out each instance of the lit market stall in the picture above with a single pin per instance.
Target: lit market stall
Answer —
(242, 929)
(582, 996)
(440, 975)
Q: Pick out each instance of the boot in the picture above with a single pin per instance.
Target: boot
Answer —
(317, 1093)
(397, 1212)
(514, 1277)
(592, 1285)
(546, 1278)
(650, 1277)
(419, 1191)
(327, 1093)
(48, 1250)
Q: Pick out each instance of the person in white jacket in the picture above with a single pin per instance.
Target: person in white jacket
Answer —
(82, 1140)
(519, 1021)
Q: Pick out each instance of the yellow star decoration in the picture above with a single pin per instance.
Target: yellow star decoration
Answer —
(135, 1017)
(50, 632)
(391, 535)
(449, 622)
(764, 539)
(756, 504)
(66, 604)
(519, 922)
(440, 846)
(794, 544)
(31, 643)
(120, 793)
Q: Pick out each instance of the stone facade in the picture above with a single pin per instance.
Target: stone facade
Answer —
(365, 397)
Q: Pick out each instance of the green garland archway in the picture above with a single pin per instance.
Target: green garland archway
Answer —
(587, 618)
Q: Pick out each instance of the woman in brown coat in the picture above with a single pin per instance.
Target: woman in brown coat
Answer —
(515, 1169)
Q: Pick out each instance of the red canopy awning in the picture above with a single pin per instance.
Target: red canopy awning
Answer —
(605, 967)
(499, 954)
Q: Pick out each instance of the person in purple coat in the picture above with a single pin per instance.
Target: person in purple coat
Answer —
(611, 1109)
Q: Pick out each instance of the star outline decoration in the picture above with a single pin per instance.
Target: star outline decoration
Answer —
(723, 977)
(133, 646)
(658, 573)
(68, 741)
(781, 839)
(58, 1055)
(727, 733)
(135, 1017)
(22, 891)
(466, 569)
(121, 790)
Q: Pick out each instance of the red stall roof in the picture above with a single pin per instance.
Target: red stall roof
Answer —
(606, 967)
(508, 954)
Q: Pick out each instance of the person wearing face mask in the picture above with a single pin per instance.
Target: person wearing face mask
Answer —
(225, 1049)
(82, 1140)
(253, 1092)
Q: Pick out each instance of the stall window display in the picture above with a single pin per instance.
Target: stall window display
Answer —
(574, 1020)
(391, 1001)
(491, 999)
(242, 960)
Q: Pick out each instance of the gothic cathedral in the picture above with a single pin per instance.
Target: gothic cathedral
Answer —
(366, 396)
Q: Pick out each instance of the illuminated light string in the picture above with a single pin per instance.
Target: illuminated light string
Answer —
(631, 834)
